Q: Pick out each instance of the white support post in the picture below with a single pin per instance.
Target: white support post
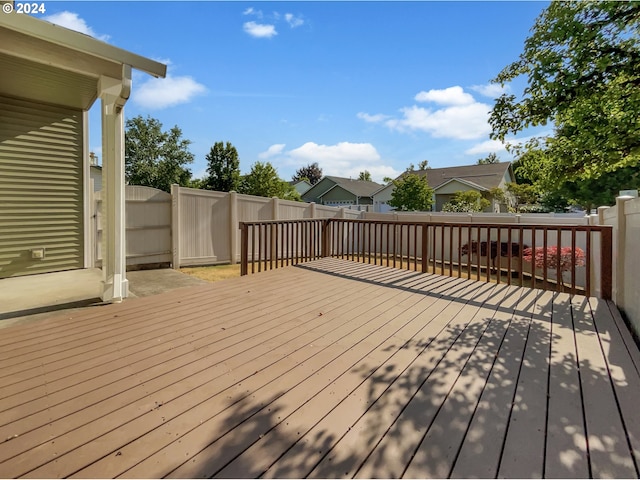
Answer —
(312, 211)
(114, 94)
(275, 204)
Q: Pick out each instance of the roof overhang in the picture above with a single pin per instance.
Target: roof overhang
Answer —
(468, 183)
(47, 63)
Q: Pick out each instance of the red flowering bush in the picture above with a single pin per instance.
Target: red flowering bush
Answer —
(566, 255)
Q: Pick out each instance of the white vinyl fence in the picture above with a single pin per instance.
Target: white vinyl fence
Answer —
(148, 226)
(625, 219)
(205, 223)
(191, 227)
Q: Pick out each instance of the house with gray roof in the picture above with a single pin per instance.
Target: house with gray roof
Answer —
(447, 181)
(341, 192)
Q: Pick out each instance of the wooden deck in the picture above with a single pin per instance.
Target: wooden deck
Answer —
(329, 369)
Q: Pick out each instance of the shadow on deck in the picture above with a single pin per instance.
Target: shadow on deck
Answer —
(327, 369)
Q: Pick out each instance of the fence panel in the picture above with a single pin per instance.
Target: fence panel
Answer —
(148, 226)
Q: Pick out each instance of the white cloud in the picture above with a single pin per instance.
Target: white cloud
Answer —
(72, 21)
(491, 90)
(457, 115)
(464, 122)
(496, 146)
(273, 150)
(159, 93)
(249, 11)
(341, 153)
(260, 30)
(344, 159)
(488, 146)
(372, 118)
(293, 21)
(448, 96)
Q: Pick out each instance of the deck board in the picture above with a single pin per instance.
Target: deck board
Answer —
(328, 369)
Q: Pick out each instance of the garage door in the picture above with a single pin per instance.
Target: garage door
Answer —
(40, 188)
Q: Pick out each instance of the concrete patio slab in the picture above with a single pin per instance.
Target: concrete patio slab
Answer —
(36, 297)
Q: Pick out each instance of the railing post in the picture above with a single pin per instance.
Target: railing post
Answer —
(606, 264)
(233, 226)
(326, 235)
(244, 248)
(425, 251)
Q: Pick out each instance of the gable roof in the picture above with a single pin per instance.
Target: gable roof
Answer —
(360, 188)
(486, 176)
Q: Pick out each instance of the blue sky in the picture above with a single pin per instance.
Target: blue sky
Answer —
(351, 85)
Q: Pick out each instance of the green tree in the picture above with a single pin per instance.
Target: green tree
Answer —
(522, 194)
(154, 158)
(312, 173)
(491, 158)
(263, 181)
(223, 168)
(466, 201)
(581, 64)
(387, 180)
(365, 176)
(411, 193)
(423, 165)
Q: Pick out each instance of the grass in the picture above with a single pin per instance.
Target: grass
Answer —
(213, 273)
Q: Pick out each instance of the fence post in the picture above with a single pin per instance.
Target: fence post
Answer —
(233, 227)
(312, 210)
(620, 251)
(244, 248)
(175, 226)
(275, 204)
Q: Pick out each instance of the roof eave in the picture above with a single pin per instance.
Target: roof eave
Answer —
(80, 42)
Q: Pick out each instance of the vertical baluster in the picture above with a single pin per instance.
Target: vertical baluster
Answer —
(559, 280)
(499, 256)
(510, 254)
(545, 278)
(533, 263)
(587, 261)
(573, 260)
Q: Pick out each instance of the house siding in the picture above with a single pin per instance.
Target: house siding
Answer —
(41, 187)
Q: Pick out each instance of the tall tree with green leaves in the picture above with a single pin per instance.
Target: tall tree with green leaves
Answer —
(223, 168)
(365, 176)
(263, 181)
(312, 173)
(411, 193)
(153, 157)
(466, 201)
(489, 159)
(581, 64)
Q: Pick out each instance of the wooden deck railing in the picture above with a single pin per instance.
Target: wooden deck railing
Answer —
(539, 256)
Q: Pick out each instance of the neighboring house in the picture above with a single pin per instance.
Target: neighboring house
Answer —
(95, 172)
(341, 192)
(447, 181)
(301, 186)
(50, 78)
